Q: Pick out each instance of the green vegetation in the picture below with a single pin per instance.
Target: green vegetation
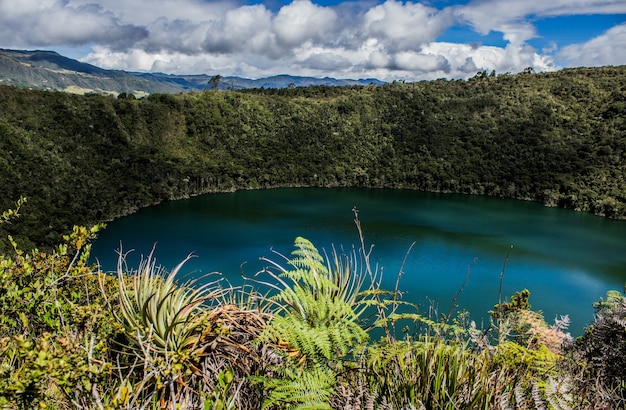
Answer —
(557, 138)
(74, 337)
(314, 327)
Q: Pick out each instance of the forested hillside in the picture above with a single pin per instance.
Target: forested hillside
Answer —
(556, 137)
(72, 336)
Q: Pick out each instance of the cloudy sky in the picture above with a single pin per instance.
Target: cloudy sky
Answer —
(387, 39)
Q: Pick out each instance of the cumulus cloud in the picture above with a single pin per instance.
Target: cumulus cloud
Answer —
(327, 61)
(465, 60)
(49, 23)
(357, 39)
(377, 59)
(405, 26)
(419, 62)
(302, 21)
(607, 49)
(244, 29)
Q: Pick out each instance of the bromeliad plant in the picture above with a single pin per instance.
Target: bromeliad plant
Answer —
(179, 336)
(157, 310)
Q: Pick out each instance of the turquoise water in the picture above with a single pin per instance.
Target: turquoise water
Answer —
(566, 259)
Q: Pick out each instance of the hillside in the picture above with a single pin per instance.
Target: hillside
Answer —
(48, 70)
(558, 138)
(72, 336)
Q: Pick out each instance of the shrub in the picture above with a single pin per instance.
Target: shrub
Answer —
(185, 342)
(54, 328)
(600, 354)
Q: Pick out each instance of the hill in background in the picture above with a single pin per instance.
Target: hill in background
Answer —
(48, 70)
(558, 138)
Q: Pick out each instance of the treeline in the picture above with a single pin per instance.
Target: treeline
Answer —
(556, 137)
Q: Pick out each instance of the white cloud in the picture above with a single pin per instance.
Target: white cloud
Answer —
(407, 26)
(48, 23)
(378, 59)
(511, 17)
(358, 39)
(465, 60)
(420, 62)
(145, 12)
(179, 35)
(327, 61)
(134, 59)
(302, 21)
(247, 28)
(607, 49)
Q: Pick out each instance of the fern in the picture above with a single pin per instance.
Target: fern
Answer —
(537, 398)
(317, 316)
(314, 327)
(558, 394)
(602, 349)
(301, 389)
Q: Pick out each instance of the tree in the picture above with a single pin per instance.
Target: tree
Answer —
(214, 82)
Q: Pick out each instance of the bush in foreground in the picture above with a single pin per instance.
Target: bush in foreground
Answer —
(74, 337)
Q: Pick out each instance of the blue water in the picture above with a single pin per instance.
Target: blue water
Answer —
(566, 259)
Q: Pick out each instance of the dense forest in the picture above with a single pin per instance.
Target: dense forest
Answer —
(313, 330)
(557, 138)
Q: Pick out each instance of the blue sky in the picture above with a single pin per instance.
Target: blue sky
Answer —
(388, 40)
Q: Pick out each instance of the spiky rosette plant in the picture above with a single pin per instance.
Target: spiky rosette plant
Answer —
(155, 307)
(180, 336)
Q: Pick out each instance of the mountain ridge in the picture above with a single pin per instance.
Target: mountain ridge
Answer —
(49, 70)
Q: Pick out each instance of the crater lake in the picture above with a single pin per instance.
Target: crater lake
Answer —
(566, 259)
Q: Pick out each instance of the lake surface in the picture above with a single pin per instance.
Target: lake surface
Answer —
(566, 259)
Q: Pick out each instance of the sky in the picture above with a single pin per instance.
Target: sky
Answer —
(360, 39)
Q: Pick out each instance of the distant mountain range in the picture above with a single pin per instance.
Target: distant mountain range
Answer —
(48, 70)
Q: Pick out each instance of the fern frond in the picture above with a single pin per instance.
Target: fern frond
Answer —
(538, 400)
(558, 394)
(504, 401)
(520, 396)
(301, 389)
(315, 326)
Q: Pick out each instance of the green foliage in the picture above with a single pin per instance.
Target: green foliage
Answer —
(54, 328)
(317, 316)
(556, 138)
(176, 333)
(509, 318)
(451, 366)
(314, 327)
(159, 311)
(300, 388)
(434, 373)
(65, 343)
(540, 361)
(222, 397)
(519, 302)
(12, 213)
(602, 348)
